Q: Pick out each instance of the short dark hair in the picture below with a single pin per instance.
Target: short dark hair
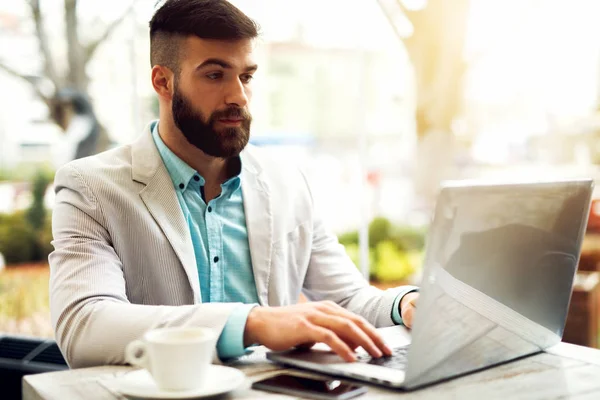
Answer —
(207, 19)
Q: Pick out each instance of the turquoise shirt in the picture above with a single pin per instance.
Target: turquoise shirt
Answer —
(220, 239)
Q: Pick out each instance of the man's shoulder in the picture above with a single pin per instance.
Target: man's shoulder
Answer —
(120, 155)
(99, 166)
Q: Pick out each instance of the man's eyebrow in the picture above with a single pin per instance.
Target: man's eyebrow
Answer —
(214, 61)
(224, 64)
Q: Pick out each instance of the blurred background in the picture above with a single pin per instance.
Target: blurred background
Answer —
(378, 100)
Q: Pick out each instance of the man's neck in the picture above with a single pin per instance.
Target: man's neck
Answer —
(214, 170)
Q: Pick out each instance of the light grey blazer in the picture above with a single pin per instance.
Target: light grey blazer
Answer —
(124, 262)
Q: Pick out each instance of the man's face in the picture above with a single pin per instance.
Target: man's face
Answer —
(211, 95)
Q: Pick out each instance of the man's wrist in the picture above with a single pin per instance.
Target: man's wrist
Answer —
(231, 341)
(397, 306)
(407, 298)
(253, 325)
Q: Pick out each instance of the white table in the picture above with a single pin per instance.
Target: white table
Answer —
(565, 371)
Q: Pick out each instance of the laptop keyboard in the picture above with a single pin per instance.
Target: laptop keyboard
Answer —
(396, 361)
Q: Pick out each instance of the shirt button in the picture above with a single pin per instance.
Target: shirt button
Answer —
(209, 209)
(181, 186)
(216, 259)
(196, 178)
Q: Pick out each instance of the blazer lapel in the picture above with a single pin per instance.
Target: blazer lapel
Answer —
(259, 224)
(160, 198)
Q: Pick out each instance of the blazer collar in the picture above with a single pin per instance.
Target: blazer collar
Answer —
(162, 203)
(160, 198)
(259, 222)
(145, 158)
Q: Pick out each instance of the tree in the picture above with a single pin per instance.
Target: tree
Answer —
(74, 79)
(436, 51)
(435, 48)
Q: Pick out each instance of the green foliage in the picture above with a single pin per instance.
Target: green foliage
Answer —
(349, 238)
(27, 172)
(380, 229)
(395, 252)
(392, 264)
(18, 241)
(36, 214)
(21, 243)
(44, 240)
(353, 252)
(25, 237)
(409, 238)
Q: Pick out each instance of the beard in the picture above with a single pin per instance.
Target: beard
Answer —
(203, 134)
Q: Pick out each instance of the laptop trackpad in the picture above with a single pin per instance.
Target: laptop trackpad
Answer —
(360, 370)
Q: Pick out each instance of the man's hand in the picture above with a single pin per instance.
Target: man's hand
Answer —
(408, 307)
(303, 325)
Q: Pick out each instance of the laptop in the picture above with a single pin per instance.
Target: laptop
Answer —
(498, 271)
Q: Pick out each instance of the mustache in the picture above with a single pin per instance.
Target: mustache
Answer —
(232, 112)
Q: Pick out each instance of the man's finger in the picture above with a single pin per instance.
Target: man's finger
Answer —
(362, 324)
(319, 334)
(305, 346)
(347, 330)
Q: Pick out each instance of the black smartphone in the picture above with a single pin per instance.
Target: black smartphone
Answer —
(325, 389)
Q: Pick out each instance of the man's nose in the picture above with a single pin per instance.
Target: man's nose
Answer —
(236, 94)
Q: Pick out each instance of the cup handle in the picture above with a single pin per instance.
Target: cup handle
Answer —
(136, 354)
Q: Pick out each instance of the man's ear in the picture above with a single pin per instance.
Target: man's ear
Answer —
(163, 81)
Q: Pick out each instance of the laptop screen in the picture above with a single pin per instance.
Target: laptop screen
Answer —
(498, 273)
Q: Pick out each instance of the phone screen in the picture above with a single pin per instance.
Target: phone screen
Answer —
(325, 388)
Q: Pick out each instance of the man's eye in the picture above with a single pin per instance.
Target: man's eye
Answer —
(247, 78)
(214, 76)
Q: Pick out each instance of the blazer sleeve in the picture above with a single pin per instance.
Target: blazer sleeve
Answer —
(332, 275)
(92, 318)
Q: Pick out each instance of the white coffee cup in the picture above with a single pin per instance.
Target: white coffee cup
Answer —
(177, 358)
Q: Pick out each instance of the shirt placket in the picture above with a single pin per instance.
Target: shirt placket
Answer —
(215, 250)
(196, 208)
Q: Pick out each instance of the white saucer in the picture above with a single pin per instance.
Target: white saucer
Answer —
(140, 385)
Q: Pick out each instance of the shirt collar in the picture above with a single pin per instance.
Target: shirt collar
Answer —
(179, 170)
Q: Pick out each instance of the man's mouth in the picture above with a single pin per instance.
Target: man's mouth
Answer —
(231, 121)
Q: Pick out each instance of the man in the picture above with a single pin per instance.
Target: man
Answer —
(188, 226)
